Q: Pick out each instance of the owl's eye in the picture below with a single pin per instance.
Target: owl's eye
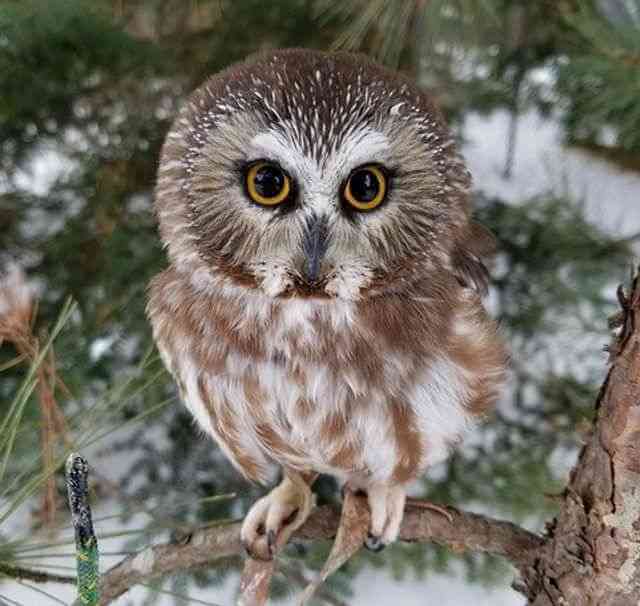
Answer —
(366, 188)
(267, 184)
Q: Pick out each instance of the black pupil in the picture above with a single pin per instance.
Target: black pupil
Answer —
(269, 181)
(364, 186)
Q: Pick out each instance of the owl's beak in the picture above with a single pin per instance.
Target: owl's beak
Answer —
(314, 245)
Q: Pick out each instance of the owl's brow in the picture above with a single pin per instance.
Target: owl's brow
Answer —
(358, 147)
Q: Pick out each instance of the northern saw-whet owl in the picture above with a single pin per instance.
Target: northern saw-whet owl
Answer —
(322, 311)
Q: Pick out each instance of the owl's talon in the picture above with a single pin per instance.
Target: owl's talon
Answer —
(290, 518)
(253, 551)
(386, 504)
(271, 541)
(278, 515)
(374, 543)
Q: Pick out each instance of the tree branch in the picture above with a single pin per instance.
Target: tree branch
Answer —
(37, 576)
(206, 547)
(592, 553)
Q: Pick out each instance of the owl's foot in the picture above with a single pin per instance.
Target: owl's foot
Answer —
(274, 518)
(386, 504)
(394, 500)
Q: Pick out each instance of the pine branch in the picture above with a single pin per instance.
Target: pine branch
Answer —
(20, 573)
(209, 546)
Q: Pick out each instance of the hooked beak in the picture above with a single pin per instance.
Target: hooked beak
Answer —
(314, 246)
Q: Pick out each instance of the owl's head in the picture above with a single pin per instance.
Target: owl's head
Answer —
(301, 173)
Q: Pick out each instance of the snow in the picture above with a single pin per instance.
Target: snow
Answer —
(543, 164)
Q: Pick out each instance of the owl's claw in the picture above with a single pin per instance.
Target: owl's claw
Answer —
(374, 543)
(274, 518)
(386, 504)
(387, 510)
(271, 542)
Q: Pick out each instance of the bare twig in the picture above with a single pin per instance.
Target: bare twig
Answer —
(350, 536)
(298, 577)
(28, 574)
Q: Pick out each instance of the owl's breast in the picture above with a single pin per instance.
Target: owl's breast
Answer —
(311, 386)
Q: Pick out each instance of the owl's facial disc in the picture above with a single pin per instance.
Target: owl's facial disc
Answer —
(363, 191)
(313, 237)
(307, 174)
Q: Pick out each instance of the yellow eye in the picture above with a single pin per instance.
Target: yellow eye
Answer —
(366, 188)
(267, 184)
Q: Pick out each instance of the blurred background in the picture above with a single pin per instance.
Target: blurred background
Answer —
(544, 98)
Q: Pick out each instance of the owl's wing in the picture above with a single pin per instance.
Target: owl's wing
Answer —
(470, 257)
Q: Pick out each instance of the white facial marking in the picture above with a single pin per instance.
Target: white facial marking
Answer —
(274, 278)
(320, 181)
(347, 282)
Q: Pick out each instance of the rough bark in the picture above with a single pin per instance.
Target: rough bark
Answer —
(591, 555)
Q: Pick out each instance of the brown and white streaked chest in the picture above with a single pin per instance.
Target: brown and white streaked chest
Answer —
(316, 385)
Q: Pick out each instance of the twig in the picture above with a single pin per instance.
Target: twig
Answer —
(350, 537)
(37, 576)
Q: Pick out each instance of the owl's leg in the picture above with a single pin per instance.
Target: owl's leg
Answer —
(387, 510)
(275, 517)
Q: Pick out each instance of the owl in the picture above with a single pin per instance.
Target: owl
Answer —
(321, 312)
